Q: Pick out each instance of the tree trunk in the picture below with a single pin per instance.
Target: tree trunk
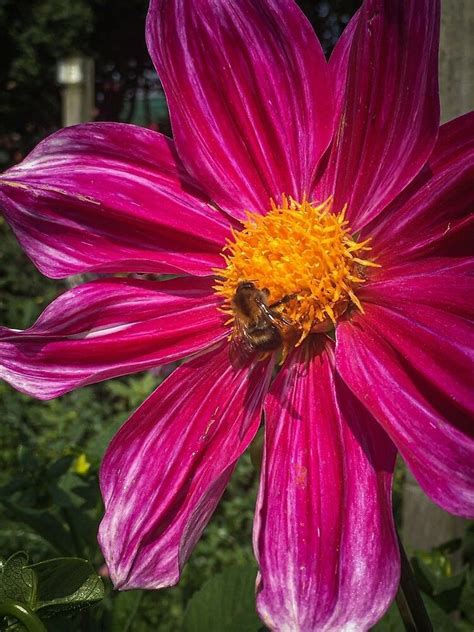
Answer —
(456, 60)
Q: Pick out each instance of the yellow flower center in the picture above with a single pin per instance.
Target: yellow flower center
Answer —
(303, 253)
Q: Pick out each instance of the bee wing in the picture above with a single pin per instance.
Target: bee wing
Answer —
(241, 347)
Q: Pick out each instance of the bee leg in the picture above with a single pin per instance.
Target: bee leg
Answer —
(283, 300)
(281, 318)
(272, 317)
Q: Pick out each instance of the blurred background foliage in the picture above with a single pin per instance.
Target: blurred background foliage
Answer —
(50, 454)
(38, 33)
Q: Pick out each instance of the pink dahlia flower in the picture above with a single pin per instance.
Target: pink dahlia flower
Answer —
(359, 251)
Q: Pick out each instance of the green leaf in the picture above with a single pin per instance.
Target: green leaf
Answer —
(256, 450)
(124, 608)
(226, 603)
(392, 622)
(468, 545)
(466, 603)
(44, 524)
(17, 581)
(449, 547)
(67, 491)
(444, 589)
(440, 620)
(65, 584)
(60, 466)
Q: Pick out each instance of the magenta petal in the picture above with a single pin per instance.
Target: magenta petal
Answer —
(338, 63)
(428, 269)
(107, 328)
(412, 366)
(249, 97)
(434, 215)
(110, 197)
(165, 471)
(437, 283)
(390, 114)
(324, 533)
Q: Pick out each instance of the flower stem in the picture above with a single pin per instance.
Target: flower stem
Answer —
(23, 614)
(409, 601)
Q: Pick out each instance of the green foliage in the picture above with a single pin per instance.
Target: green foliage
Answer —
(448, 595)
(24, 292)
(42, 32)
(392, 622)
(466, 602)
(45, 590)
(36, 34)
(17, 581)
(435, 577)
(65, 584)
(226, 603)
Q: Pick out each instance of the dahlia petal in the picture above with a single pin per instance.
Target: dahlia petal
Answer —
(411, 366)
(110, 197)
(248, 93)
(390, 115)
(324, 533)
(428, 267)
(433, 216)
(108, 328)
(338, 63)
(438, 345)
(434, 283)
(166, 469)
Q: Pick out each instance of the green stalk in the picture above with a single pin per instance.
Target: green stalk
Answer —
(22, 614)
(409, 601)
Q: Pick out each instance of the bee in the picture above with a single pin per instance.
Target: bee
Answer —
(258, 326)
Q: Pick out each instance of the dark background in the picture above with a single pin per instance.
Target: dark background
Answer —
(37, 33)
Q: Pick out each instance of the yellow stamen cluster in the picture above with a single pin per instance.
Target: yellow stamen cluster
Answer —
(301, 249)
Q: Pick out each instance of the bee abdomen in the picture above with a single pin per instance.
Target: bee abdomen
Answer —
(265, 339)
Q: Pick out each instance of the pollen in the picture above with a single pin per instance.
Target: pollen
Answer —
(303, 253)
